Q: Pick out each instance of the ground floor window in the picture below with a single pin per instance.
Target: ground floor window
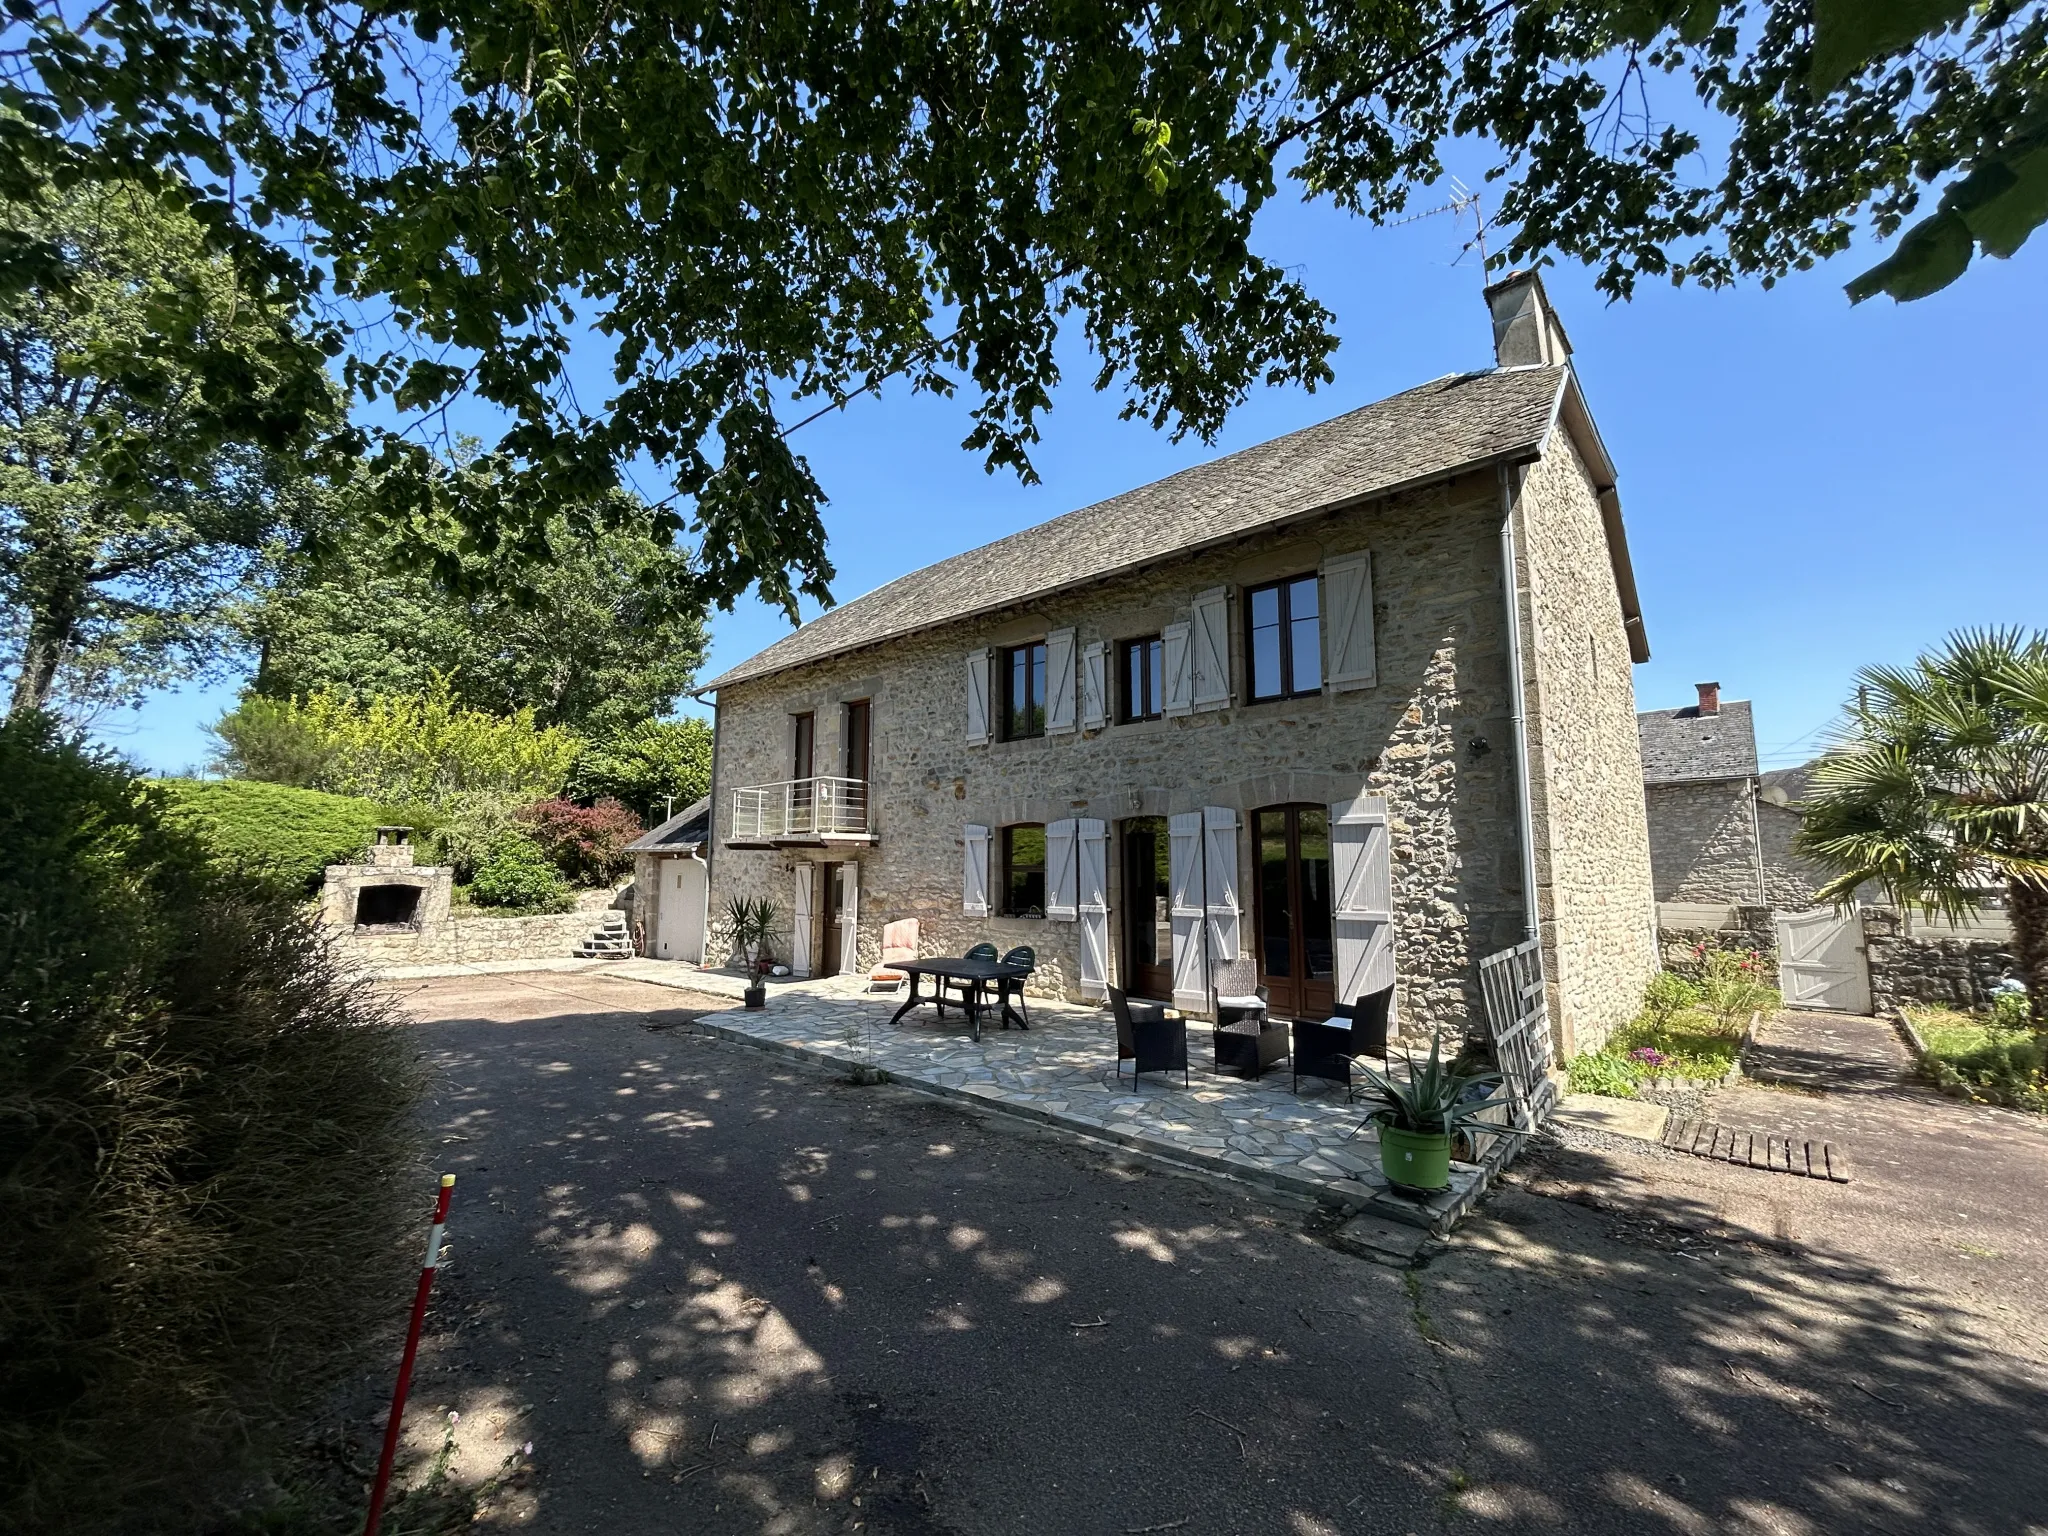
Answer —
(1023, 878)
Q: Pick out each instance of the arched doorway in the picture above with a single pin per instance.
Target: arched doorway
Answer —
(1296, 952)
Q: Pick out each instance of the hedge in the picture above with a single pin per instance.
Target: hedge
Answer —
(286, 835)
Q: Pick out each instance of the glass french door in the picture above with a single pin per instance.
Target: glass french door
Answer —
(1297, 958)
(1147, 966)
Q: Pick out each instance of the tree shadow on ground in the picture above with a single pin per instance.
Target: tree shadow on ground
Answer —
(1624, 1363)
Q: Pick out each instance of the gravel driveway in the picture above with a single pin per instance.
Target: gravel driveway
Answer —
(722, 1292)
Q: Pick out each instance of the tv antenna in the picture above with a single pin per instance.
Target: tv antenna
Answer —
(1463, 200)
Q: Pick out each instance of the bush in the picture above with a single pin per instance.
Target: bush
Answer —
(587, 842)
(2009, 1010)
(396, 748)
(654, 766)
(519, 875)
(272, 831)
(1732, 986)
(1667, 994)
(204, 1133)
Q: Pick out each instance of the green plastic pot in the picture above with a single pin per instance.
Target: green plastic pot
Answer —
(1415, 1159)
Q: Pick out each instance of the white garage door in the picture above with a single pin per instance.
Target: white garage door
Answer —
(1821, 962)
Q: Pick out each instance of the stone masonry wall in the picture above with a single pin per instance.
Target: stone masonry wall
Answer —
(470, 936)
(1442, 688)
(1703, 844)
(1592, 835)
(1909, 967)
(1790, 879)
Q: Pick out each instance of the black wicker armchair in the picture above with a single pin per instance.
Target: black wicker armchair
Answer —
(1147, 1038)
(1327, 1050)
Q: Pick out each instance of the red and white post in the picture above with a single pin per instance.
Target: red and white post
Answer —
(412, 1349)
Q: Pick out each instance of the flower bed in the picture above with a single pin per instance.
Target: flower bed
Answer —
(1690, 1030)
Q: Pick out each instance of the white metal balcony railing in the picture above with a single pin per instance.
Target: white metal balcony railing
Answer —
(799, 808)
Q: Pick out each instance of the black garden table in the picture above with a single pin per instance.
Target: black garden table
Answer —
(977, 973)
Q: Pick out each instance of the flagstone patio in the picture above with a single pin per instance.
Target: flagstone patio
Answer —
(1062, 1072)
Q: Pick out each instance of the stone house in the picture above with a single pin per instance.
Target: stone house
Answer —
(1720, 829)
(1354, 705)
(672, 885)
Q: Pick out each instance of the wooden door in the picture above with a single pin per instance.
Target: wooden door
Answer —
(1297, 953)
(1147, 960)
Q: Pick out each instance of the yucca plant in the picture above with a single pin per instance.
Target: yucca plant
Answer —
(1936, 785)
(751, 925)
(1433, 1100)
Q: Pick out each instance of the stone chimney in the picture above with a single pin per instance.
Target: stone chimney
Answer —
(1526, 330)
(392, 848)
(1710, 698)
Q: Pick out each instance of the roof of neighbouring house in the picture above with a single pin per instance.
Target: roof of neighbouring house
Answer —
(688, 829)
(1787, 786)
(1683, 745)
(1460, 422)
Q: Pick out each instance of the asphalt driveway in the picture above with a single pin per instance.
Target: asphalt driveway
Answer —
(721, 1292)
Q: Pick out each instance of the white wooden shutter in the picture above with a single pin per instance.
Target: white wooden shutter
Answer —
(1211, 649)
(1347, 617)
(1187, 910)
(1094, 686)
(977, 697)
(848, 875)
(1219, 859)
(1060, 873)
(1059, 682)
(800, 921)
(1362, 883)
(1180, 681)
(974, 871)
(1094, 906)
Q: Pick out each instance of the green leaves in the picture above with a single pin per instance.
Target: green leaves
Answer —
(1848, 34)
(1997, 205)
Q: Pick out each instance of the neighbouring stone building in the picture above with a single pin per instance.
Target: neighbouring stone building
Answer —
(672, 885)
(1355, 704)
(1720, 830)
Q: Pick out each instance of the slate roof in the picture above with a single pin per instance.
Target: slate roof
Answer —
(1683, 745)
(1457, 422)
(688, 828)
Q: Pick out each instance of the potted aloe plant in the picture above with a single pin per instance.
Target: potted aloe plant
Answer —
(1421, 1116)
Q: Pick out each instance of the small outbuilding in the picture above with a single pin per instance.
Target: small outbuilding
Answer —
(672, 885)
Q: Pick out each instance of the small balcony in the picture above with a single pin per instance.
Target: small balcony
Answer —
(799, 813)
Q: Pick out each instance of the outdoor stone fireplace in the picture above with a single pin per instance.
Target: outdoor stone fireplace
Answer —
(387, 892)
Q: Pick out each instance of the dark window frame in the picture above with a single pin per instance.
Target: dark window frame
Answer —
(803, 745)
(1033, 726)
(1008, 866)
(1284, 590)
(1151, 704)
(863, 736)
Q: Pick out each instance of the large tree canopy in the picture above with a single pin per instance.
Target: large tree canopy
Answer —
(150, 416)
(585, 639)
(802, 198)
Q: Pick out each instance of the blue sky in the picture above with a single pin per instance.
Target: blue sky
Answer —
(1808, 487)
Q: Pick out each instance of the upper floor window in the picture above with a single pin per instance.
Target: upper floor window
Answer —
(1284, 637)
(803, 745)
(1023, 681)
(1143, 677)
(856, 739)
(1023, 887)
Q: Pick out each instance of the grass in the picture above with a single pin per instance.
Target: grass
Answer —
(1978, 1058)
(1690, 1043)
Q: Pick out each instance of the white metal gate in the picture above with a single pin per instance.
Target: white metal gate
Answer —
(1518, 1019)
(1821, 963)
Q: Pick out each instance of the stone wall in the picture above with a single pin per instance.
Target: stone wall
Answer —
(1790, 879)
(1680, 935)
(1915, 962)
(1703, 843)
(1592, 839)
(1434, 735)
(470, 935)
(1442, 676)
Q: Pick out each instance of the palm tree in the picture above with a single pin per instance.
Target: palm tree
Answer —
(1936, 785)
